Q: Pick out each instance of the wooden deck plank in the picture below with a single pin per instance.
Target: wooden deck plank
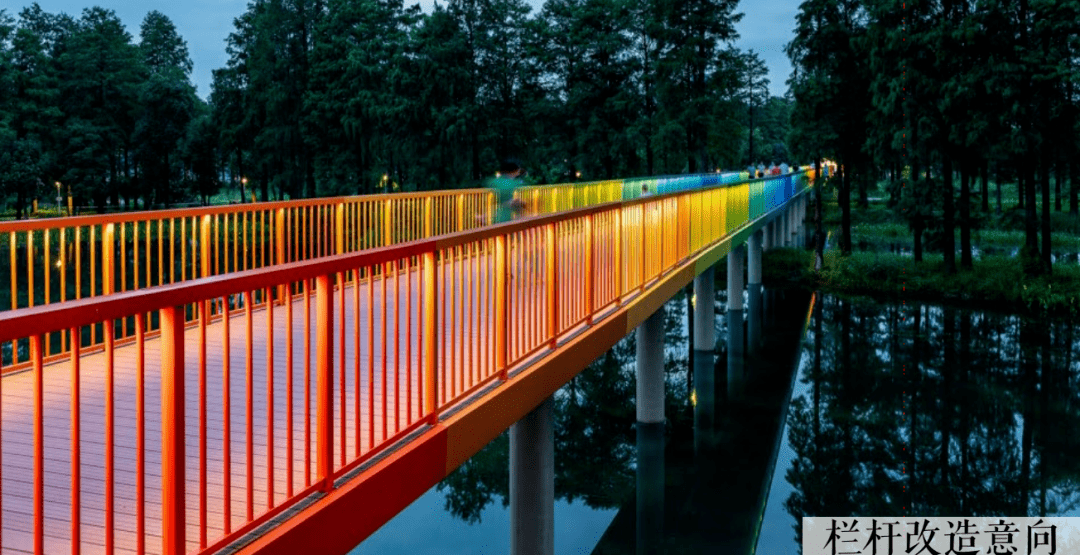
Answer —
(460, 337)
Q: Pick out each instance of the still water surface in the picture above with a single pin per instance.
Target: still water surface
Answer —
(851, 407)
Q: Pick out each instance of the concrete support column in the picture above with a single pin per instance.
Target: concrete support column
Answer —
(753, 246)
(806, 223)
(650, 369)
(705, 311)
(766, 231)
(650, 433)
(802, 222)
(753, 291)
(736, 265)
(532, 482)
(797, 232)
(789, 224)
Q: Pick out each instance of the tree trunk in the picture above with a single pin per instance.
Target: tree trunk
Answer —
(1021, 178)
(997, 183)
(845, 207)
(863, 176)
(917, 221)
(1045, 178)
(751, 154)
(948, 238)
(819, 234)
(984, 172)
(1074, 191)
(965, 215)
(1057, 183)
(1031, 219)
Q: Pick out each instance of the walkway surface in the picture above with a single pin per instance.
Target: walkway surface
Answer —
(364, 389)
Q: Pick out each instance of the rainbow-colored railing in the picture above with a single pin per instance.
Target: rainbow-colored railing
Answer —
(56, 260)
(339, 357)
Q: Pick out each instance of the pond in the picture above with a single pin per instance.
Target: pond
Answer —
(851, 407)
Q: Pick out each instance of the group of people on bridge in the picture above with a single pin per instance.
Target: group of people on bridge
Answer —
(761, 171)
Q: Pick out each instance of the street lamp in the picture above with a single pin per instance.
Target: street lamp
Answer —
(243, 186)
(59, 199)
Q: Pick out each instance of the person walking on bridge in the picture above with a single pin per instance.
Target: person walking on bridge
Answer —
(505, 184)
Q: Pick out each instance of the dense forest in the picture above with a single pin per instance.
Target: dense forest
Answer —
(937, 97)
(930, 101)
(324, 97)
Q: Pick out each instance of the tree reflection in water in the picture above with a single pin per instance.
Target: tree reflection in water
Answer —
(930, 411)
(595, 441)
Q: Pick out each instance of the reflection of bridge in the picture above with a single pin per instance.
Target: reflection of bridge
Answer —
(706, 492)
(302, 399)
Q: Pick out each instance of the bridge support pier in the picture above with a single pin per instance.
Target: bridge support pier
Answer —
(705, 311)
(650, 369)
(736, 266)
(788, 225)
(753, 291)
(532, 482)
(796, 220)
(703, 357)
(806, 227)
(650, 431)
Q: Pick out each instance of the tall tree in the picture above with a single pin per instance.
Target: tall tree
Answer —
(688, 35)
(167, 105)
(100, 78)
(831, 86)
(757, 94)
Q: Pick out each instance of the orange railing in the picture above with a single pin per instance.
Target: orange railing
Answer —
(56, 260)
(337, 358)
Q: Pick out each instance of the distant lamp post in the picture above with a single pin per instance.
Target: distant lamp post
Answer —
(59, 199)
(243, 188)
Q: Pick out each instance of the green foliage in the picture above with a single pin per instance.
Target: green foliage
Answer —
(996, 282)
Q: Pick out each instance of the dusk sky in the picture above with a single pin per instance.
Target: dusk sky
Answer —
(767, 26)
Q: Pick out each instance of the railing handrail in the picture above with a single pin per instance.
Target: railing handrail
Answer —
(39, 320)
(141, 215)
(211, 210)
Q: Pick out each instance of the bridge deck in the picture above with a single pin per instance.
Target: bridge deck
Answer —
(360, 388)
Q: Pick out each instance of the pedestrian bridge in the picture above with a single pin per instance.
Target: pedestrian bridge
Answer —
(286, 377)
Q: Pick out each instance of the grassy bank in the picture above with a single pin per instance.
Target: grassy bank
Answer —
(878, 268)
(996, 282)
